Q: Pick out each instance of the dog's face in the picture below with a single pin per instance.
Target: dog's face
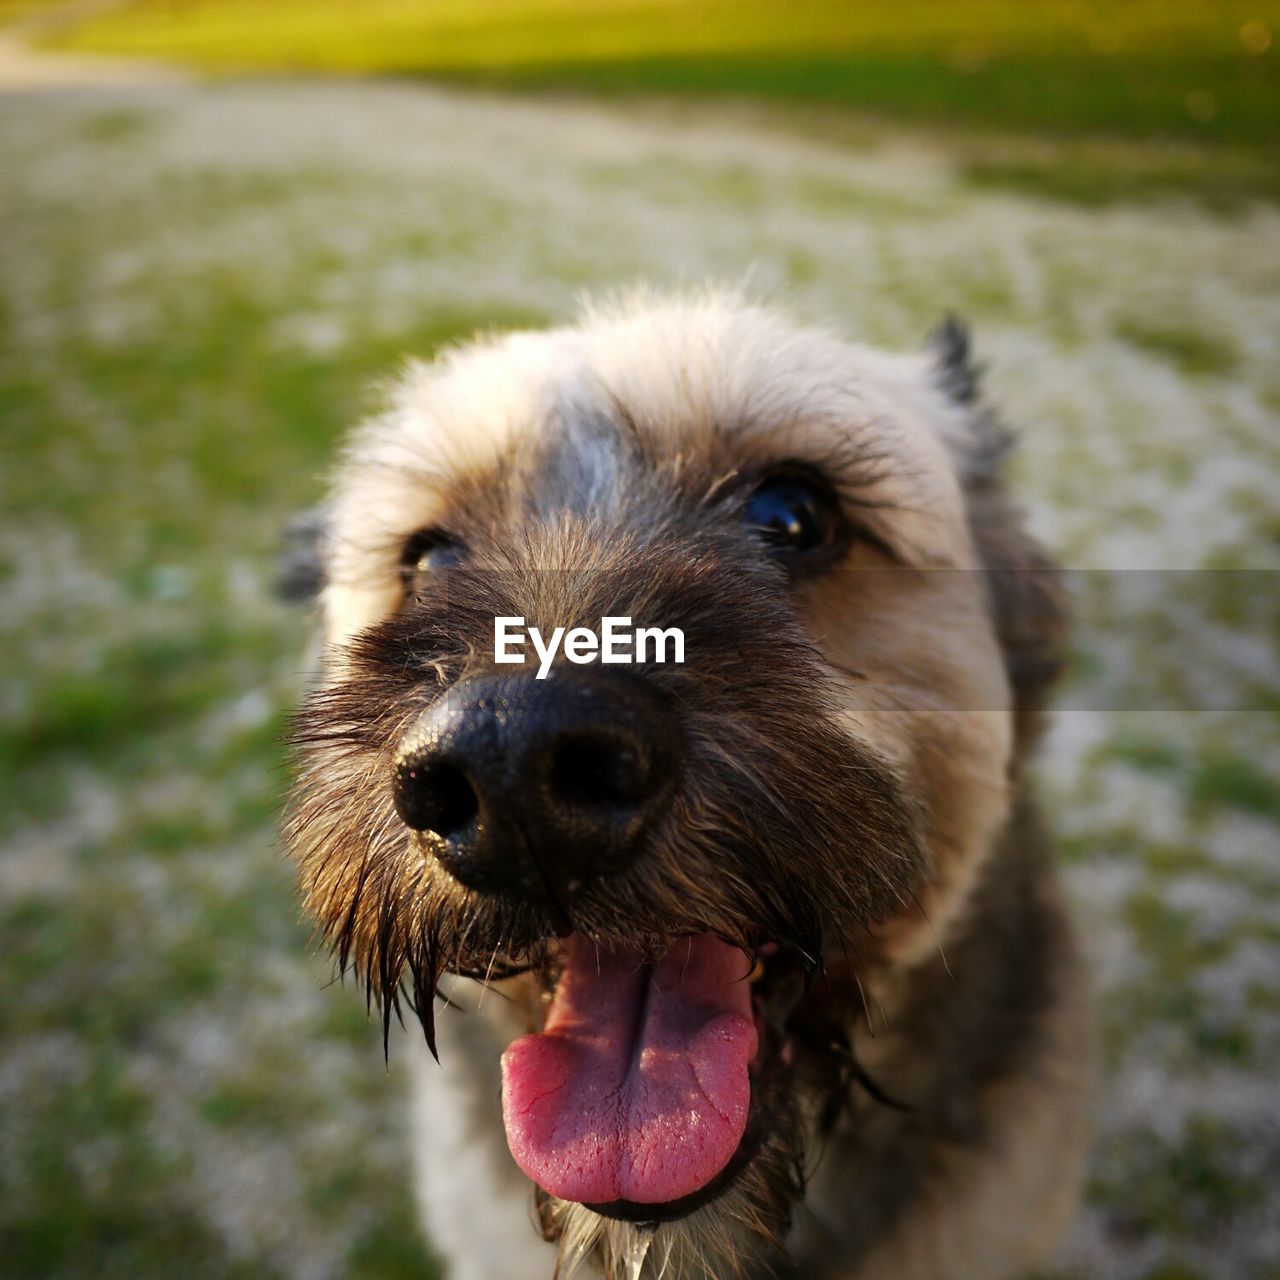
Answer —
(679, 872)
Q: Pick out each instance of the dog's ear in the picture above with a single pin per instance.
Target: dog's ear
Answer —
(959, 377)
(1024, 585)
(300, 568)
(1028, 602)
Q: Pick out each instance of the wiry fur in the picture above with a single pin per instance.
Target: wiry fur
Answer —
(851, 792)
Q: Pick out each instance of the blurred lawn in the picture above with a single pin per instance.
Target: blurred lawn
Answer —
(1201, 69)
(158, 657)
(197, 284)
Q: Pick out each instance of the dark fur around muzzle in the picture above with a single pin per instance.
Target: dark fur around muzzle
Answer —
(780, 826)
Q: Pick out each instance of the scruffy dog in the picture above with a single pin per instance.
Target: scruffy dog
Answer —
(748, 964)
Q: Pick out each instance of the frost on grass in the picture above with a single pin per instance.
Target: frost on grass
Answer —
(191, 308)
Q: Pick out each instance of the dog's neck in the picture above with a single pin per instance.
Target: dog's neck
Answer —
(940, 1039)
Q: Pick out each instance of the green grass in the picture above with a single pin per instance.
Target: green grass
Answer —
(1181, 1187)
(17, 10)
(1097, 171)
(1144, 753)
(1192, 350)
(1171, 941)
(1238, 783)
(1185, 68)
(117, 1220)
(184, 333)
(129, 694)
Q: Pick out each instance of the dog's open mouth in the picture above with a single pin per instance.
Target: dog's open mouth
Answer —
(635, 1097)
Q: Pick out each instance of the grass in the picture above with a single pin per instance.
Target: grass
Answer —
(1097, 172)
(1144, 753)
(1237, 782)
(1185, 1186)
(186, 326)
(1192, 350)
(125, 694)
(1140, 68)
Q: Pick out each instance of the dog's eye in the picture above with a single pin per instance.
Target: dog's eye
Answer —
(426, 551)
(795, 515)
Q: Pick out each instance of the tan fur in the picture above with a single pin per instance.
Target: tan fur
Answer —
(919, 659)
(1000, 1210)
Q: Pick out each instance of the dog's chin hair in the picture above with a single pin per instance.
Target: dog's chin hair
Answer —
(721, 1240)
(631, 1250)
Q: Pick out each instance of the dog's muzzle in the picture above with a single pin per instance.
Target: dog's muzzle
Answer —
(535, 787)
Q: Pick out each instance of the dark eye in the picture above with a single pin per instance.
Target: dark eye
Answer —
(795, 515)
(426, 551)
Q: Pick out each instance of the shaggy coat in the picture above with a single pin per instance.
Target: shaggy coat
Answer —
(851, 808)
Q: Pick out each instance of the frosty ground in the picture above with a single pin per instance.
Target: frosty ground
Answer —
(198, 285)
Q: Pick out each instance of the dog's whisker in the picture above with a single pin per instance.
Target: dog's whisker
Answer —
(866, 1011)
(488, 978)
(942, 955)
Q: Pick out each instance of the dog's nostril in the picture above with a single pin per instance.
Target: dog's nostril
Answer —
(593, 773)
(436, 797)
(532, 789)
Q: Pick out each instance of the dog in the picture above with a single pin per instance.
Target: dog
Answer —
(750, 964)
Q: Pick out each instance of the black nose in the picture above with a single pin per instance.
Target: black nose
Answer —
(533, 787)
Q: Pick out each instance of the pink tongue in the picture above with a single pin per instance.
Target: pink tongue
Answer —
(637, 1088)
